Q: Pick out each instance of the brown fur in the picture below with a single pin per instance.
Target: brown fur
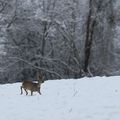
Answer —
(32, 86)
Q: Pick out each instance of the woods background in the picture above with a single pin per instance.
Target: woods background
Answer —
(62, 38)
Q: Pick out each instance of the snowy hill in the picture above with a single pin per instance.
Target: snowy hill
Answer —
(95, 98)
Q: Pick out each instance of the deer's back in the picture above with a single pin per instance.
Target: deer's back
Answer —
(30, 85)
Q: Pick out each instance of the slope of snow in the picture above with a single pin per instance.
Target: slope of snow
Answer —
(95, 98)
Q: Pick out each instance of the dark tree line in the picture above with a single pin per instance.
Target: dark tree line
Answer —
(63, 39)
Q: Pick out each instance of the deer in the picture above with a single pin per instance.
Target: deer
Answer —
(32, 86)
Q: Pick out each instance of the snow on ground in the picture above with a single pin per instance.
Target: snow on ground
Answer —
(95, 98)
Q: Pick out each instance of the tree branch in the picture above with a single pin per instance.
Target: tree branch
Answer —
(34, 66)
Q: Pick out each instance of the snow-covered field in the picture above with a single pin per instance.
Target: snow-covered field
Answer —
(95, 98)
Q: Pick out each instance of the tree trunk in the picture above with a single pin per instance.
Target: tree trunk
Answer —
(89, 37)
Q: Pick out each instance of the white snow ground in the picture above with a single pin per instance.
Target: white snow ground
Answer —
(95, 98)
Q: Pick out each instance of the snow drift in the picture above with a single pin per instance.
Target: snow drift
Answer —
(95, 98)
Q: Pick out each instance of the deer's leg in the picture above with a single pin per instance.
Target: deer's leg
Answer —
(21, 90)
(39, 92)
(31, 92)
(26, 91)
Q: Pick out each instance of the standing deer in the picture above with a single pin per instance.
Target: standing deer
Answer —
(32, 86)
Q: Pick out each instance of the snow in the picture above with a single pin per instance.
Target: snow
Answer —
(96, 98)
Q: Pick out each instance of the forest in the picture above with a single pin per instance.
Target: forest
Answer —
(61, 38)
